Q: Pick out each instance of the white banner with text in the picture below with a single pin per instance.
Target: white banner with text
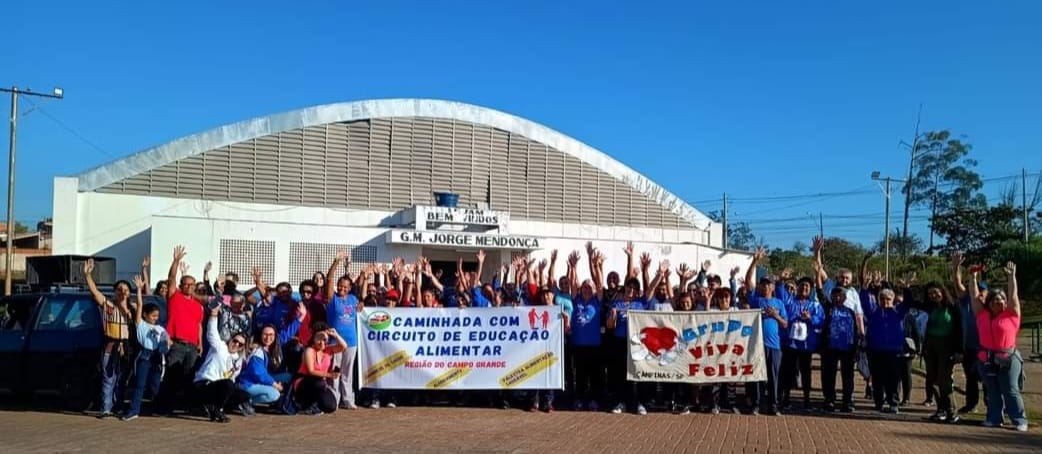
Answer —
(451, 348)
(696, 347)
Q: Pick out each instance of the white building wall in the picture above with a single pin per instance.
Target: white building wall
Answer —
(128, 227)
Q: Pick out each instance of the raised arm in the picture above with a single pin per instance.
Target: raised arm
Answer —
(629, 261)
(146, 268)
(573, 272)
(258, 286)
(597, 273)
(960, 286)
(863, 273)
(141, 285)
(1011, 288)
(88, 275)
(171, 276)
(819, 245)
(750, 285)
(684, 274)
(481, 267)
(663, 268)
(550, 275)
(540, 276)
(645, 275)
(331, 275)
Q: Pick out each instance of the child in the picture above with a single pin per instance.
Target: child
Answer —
(154, 343)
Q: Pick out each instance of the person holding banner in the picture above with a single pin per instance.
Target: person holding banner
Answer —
(546, 298)
(775, 322)
(721, 395)
(806, 318)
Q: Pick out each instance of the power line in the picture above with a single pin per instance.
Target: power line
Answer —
(69, 129)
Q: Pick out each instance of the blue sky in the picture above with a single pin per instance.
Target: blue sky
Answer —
(755, 99)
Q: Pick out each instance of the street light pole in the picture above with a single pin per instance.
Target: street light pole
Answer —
(9, 254)
(886, 223)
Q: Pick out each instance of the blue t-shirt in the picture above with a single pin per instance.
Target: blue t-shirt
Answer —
(772, 333)
(795, 309)
(622, 308)
(565, 301)
(586, 322)
(479, 298)
(342, 315)
(841, 329)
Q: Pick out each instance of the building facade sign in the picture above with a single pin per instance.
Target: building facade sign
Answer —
(431, 217)
(463, 239)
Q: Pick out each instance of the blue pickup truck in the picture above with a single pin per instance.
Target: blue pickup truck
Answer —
(50, 345)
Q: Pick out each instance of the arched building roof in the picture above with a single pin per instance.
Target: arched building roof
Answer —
(325, 131)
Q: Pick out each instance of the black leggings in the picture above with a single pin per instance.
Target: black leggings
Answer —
(794, 361)
(589, 373)
(214, 393)
(314, 391)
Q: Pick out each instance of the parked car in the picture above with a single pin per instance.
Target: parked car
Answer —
(50, 344)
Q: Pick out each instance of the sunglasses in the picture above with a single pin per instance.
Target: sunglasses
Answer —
(237, 342)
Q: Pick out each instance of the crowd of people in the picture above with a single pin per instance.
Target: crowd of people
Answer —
(224, 348)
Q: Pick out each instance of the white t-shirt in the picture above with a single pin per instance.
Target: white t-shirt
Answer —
(659, 306)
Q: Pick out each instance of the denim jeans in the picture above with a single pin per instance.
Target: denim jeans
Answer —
(261, 394)
(110, 372)
(1002, 389)
(147, 373)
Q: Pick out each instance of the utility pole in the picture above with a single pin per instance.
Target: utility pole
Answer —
(725, 221)
(821, 225)
(886, 225)
(14, 91)
(1024, 200)
(933, 208)
(911, 165)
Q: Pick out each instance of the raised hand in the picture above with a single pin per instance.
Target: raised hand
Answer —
(645, 261)
(88, 267)
(257, 273)
(869, 254)
(759, 254)
(139, 282)
(207, 267)
(179, 253)
(735, 271)
(573, 259)
(957, 259)
(341, 255)
(302, 311)
(663, 267)
(146, 262)
(819, 243)
(184, 268)
(589, 248)
(553, 256)
(786, 274)
(628, 249)
(542, 265)
(481, 256)
(219, 286)
(685, 273)
(1010, 269)
(705, 266)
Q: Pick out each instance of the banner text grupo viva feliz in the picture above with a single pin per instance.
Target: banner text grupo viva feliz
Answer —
(452, 348)
(696, 347)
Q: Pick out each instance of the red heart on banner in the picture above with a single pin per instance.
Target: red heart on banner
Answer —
(658, 340)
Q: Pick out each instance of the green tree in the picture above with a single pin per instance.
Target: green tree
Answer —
(977, 231)
(900, 246)
(739, 235)
(942, 175)
(840, 253)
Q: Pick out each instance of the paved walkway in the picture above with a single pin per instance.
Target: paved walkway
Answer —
(442, 429)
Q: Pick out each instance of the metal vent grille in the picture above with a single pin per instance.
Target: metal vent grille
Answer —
(391, 164)
(307, 258)
(240, 256)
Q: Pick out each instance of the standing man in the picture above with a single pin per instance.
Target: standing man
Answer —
(970, 336)
(184, 326)
(775, 322)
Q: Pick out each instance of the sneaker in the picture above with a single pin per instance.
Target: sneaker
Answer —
(391, 405)
(641, 410)
(735, 410)
(1022, 427)
(927, 403)
(375, 405)
(504, 405)
(618, 409)
(953, 418)
(967, 409)
(829, 407)
(894, 409)
(868, 392)
(716, 410)
(685, 410)
(776, 411)
(991, 424)
(246, 409)
(904, 403)
(220, 417)
(939, 417)
(756, 411)
(348, 406)
(577, 406)
(104, 415)
(129, 417)
(593, 406)
(849, 408)
(549, 408)
(534, 408)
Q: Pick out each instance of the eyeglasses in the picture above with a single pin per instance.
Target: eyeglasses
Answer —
(237, 342)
